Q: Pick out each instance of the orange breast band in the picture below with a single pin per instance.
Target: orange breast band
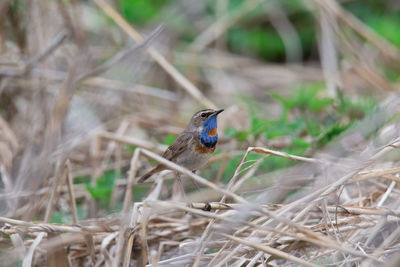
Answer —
(213, 132)
(203, 149)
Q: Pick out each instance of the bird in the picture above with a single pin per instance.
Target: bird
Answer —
(194, 146)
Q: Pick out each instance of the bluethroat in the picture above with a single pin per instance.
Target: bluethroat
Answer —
(194, 146)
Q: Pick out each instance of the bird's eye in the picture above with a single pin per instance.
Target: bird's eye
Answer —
(203, 115)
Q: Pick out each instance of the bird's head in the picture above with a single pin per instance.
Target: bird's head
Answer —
(205, 121)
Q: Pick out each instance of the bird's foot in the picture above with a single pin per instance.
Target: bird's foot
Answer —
(207, 206)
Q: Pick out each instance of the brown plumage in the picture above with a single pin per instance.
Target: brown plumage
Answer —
(188, 149)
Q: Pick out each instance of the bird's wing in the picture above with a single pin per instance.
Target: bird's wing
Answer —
(180, 144)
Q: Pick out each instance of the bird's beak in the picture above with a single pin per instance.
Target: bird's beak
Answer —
(216, 112)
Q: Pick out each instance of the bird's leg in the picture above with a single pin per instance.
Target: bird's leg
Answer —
(195, 183)
(207, 206)
(178, 189)
(181, 183)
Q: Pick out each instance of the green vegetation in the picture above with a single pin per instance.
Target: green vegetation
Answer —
(66, 217)
(261, 39)
(309, 119)
(103, 188)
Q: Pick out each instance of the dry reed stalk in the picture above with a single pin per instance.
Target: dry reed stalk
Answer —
(222, 24)
(191, 175)
(330, 208)
(385, 47)
(71, 192)
(104, 244)
(29, 256)
(60, 176)
(121, 55)
(304, 234)
(33, 62)
(108, 84)
(7, 152)
(131, 141)
(270, 251)
(171, 70)
(49, 227)
(206, 233)
(127, 203)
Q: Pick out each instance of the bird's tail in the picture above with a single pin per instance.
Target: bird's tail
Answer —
(147, 175)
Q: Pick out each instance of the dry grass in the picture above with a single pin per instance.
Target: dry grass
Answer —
(72, 100)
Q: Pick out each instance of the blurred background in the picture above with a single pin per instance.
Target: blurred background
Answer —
(83, 84)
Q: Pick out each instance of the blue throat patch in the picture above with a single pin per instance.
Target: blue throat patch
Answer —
(209, 125)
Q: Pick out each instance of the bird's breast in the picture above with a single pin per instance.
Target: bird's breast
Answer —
(195, 157)
(199, 148)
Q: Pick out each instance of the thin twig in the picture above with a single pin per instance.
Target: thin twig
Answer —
(60, 174)
(387, 193)
(222, 24)
(71, 192)
(330, 208)
(131, 180)
(29, 256)
(122, 55)
(385, 47)
(305, 233)
(270, 250)
(191, 175)
(48, 227)
(32, 63)
(132, 141)
(125, 241)
(283, 154)
(168, 67)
